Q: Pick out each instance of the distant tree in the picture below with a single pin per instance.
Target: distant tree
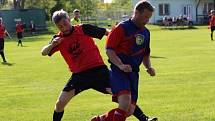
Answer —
(19, 4)
(58, 6)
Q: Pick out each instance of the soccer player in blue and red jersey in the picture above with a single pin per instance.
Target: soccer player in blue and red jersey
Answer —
(19, 32)
(128, 45)
(2, 34)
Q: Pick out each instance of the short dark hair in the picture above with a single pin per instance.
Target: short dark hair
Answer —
(58, 15)
(142, 5)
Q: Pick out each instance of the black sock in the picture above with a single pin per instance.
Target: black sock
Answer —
(2, 55)
(138, 113)
(211, 36)
(57, 116)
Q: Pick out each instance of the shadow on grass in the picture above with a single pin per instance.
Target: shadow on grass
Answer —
(22, 46)
(179, 28)
(7, 63)
(158, 57)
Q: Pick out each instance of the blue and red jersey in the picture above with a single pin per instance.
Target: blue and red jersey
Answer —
(130, 43)
(78, 48)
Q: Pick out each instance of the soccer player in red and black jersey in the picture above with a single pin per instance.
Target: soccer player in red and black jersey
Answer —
(78, 49)
(19, 32)
(2, 34)
(212, 23)
(128, 45)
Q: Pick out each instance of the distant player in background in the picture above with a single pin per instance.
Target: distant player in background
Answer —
(76, 19)
(19, 32)
(212, 23)
(32, 27)
(2, 35)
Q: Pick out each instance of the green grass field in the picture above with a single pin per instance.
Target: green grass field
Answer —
(183, 90)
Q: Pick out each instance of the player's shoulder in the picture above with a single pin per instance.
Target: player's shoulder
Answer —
(78, 27)
(147, 30)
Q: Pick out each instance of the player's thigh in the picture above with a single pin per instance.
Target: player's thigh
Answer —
(78, 82)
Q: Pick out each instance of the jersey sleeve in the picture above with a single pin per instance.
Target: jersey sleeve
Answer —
(114, 38)
(93, 31)
(147, 49)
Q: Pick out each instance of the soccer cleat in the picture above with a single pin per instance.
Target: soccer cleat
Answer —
(151, 119)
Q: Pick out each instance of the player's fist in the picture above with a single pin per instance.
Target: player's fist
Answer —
(151, 71)
(125, 68)
(56, 41)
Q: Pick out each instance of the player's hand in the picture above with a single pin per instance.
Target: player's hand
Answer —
(125, 68)
(151, 71)
(56, 41)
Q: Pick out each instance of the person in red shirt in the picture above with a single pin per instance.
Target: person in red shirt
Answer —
(212, 23)
(19, 32)
(76, 45)
(2, 34)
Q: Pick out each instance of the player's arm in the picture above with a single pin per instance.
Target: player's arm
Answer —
(147, 64)
(94, 31)
(113, 41)
(113, 58)
(46, 50)
(147, 61)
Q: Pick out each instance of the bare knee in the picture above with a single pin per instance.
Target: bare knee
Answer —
(124, 102)
(60, 105)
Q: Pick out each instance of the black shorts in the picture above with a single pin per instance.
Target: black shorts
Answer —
(1, 44)
(212, 28)
(19, 35)
(96, 78)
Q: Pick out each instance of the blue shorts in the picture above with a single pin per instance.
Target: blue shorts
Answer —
(124, 83)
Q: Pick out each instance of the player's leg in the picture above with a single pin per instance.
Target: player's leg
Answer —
(135, 109)
(2, 50)
(74, 86)
(121, 94)
(21, 36)
(212, 30)
(62, 101)
(121, 112)
(102, 84)
(138, 113)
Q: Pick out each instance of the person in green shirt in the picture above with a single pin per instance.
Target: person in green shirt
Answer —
(76, 20)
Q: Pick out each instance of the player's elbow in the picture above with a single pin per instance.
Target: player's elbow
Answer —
(109, 52)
